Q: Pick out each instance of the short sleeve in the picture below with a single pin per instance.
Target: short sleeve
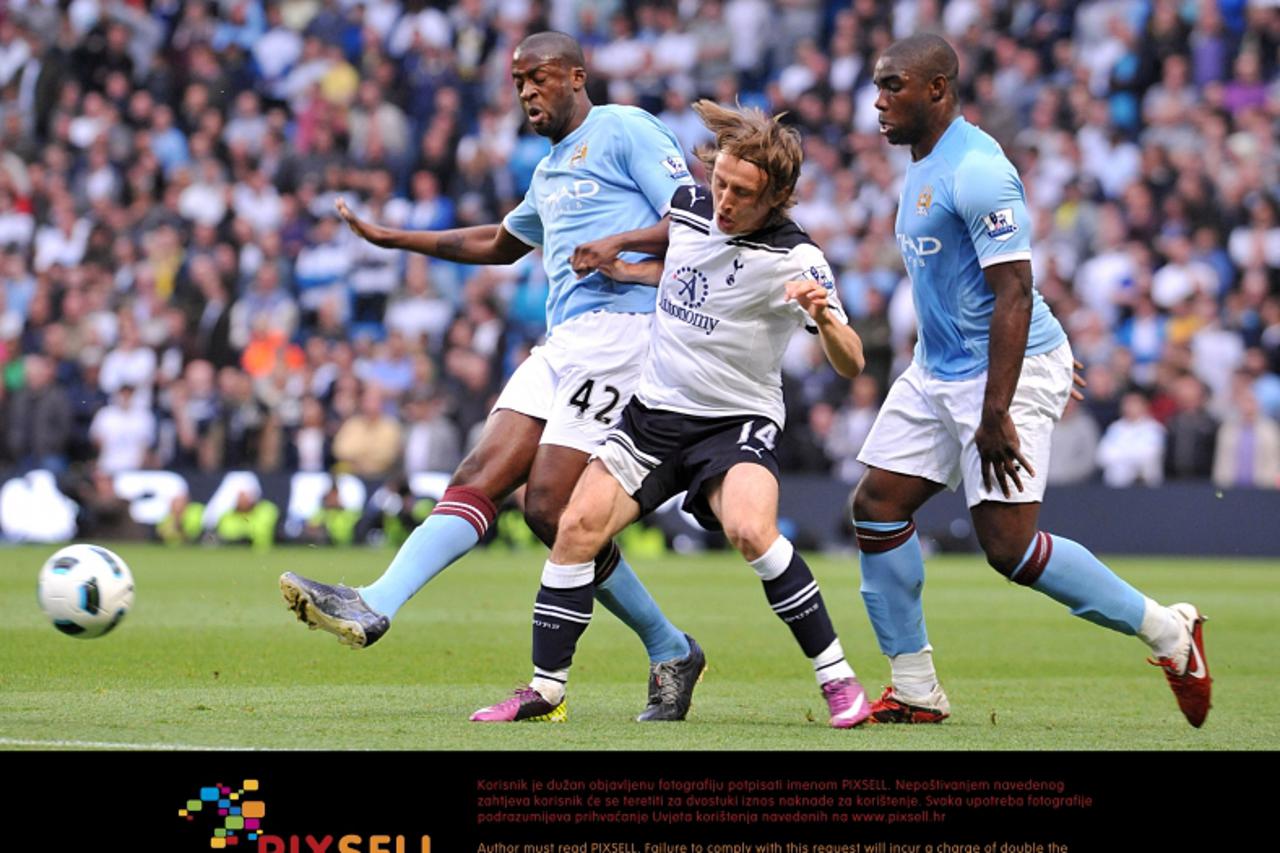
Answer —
(524, 223)
(812, 265)
(990, 199)
(654, 161)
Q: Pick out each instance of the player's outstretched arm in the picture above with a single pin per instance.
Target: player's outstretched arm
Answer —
(996, 438)
(840, 342)
(482, 244)
(599, 254)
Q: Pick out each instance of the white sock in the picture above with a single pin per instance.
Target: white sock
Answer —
(913, 673)
(1163, 632)
(829, 664)
(551, 689)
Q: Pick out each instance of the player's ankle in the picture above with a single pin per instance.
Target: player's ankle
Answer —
(552, 691)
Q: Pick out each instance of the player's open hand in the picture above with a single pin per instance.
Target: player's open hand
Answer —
(357, 226)
(598, 255)
(1001, 453)
(809, 295)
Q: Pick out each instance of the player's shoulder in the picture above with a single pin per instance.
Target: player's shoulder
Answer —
(784, 236)
(978, 157)
(621, 119)
(691, 205)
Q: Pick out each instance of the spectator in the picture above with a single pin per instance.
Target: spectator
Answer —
(312, 445)
(1075, 447)
(851, 425)
(39, 422)
(1190, 433)
(1248, 447)
(129, 363)
(369, 442)
(124, 432)
(1131, 452)
(432, 442)
(266, 306)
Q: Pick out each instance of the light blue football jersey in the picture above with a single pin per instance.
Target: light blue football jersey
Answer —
(615, 173)
(962, 209)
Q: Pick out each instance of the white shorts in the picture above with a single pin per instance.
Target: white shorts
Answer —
(926, 426)
(581, 378)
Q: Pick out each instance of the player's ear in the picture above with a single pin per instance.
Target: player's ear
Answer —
(938, 88)
(578, 79)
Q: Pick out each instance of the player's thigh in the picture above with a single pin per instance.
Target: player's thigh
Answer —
(885, 496)
(598, 508)
(745, 500)
(1044, 386)
(914, 446)
(503, 456)
(597, 359)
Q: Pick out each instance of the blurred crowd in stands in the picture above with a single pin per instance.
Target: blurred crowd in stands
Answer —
(177, 292)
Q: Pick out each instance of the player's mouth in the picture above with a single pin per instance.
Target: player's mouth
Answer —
(724, 223)
(535, 113)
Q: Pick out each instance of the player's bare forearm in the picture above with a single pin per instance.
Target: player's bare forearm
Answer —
(648, 272)
(600, 254)
(482, 244)
(841, 345)
(647, 241)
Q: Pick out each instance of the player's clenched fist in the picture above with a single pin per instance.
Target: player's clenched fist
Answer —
(596, 255)
(810, 295)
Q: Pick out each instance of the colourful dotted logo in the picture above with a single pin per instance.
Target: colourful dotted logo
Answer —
(236, 814)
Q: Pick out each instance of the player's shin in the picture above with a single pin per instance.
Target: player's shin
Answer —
(458, 522)
(892, 584)
(623, 595)
(1069, 574)
(794, 596)
(561, 613)
(892, 588)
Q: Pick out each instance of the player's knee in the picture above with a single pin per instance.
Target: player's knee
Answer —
(1003, 559)
(871, 504)
(751, 537)
(579, 533)
(542, 512)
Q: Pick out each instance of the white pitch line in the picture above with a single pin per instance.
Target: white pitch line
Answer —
(102, 744)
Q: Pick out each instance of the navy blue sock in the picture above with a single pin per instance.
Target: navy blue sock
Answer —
(793, 594)
(561, 613)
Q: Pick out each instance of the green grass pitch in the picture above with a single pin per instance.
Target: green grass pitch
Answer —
(210, 658)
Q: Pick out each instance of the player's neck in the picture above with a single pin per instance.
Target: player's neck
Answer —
(581, 107)
(929, 141)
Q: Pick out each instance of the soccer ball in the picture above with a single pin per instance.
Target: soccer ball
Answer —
(86, 590)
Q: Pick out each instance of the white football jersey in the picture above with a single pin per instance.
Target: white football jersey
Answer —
(722, 320)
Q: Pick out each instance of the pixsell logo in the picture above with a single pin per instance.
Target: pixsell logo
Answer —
(235, 817)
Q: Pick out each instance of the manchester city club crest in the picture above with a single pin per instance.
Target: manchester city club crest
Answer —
(924, 201)
(579, 156)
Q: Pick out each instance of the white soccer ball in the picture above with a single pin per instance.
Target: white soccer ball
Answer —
(86, 590)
